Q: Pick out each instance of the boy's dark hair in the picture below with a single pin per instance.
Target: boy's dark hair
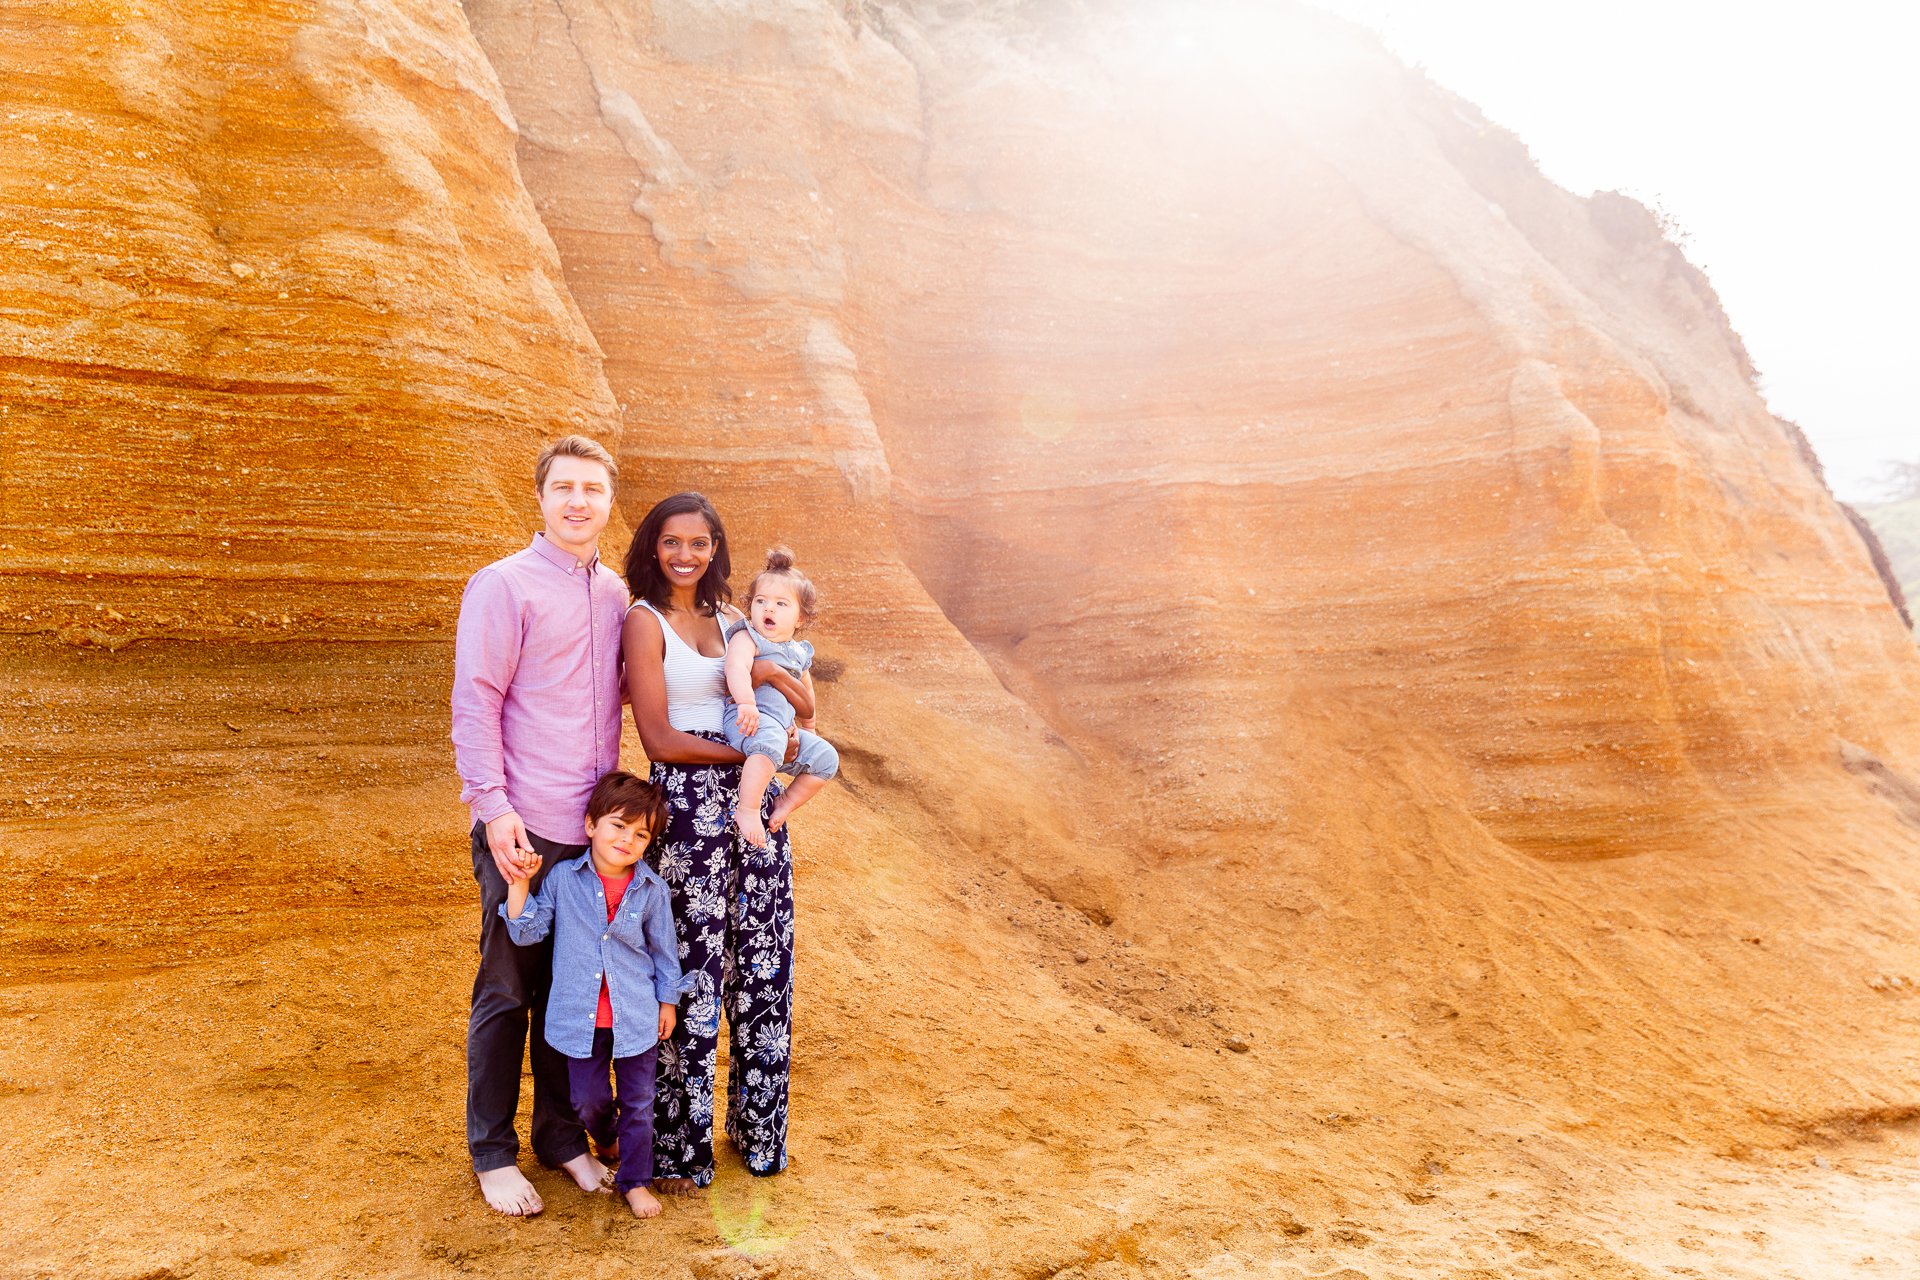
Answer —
(780, 565)
(632, 797)
(642, 569)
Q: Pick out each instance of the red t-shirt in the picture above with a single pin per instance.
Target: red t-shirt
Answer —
(616, 887)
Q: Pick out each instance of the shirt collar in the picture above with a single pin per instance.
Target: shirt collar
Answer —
(583, 866)
(545, 548)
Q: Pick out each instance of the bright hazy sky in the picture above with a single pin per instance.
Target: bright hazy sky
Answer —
(1781, 138)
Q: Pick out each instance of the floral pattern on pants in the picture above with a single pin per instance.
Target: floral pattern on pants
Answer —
(733, 910)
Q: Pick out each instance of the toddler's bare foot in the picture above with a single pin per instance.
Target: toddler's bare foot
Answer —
(674, 1186)
(507, 1191)
(750, 829)
(778, 818)
(643, 1203)
(588, 1172)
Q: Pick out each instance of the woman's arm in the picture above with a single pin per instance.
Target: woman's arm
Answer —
(806, 721)
(643, 646)
(799, 696)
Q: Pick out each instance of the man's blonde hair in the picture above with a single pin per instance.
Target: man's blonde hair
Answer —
(572, 447)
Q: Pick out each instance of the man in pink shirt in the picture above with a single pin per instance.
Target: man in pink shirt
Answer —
(536, 723)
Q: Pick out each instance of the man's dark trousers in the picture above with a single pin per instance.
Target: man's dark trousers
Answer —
(509, 999)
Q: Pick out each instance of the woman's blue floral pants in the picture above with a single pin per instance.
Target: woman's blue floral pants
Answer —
(733, 908)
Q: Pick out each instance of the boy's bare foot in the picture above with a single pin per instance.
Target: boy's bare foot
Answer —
(643, 1203)
(674, 1186)
(751, 831)
(588, 1172)
(507, 1191)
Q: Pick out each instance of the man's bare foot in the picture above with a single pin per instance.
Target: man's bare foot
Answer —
(751, 831)
(588, 1172)
(643, 1203)
(508, 1191)
(674, 1186)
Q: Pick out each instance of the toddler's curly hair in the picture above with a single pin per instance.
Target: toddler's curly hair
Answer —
(780, 565)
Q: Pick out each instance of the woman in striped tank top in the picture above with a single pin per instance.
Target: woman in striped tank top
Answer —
(732, 901)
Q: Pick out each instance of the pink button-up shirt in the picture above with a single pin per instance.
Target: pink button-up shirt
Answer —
(536, 688)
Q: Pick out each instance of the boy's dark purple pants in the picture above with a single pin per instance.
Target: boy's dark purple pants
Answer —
(623, 1110)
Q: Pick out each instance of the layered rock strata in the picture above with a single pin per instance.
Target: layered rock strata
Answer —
(283, 328)
(1176, 391)
(1292, 572)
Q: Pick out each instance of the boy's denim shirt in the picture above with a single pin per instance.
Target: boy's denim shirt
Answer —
(637, 950)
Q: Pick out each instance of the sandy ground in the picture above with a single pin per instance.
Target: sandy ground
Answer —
(234, 978)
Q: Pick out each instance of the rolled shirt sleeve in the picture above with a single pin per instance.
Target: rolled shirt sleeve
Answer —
(535, 919)
(486, 653)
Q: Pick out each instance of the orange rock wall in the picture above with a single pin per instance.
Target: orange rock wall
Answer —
(1280, 553)
(683, 183)
(1177, 393)
(283, 329)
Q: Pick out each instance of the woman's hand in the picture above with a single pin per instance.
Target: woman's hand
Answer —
(798, 696)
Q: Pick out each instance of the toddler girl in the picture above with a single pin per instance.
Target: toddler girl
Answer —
(779, 601)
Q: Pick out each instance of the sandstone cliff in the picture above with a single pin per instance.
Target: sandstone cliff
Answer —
(1294, 573)
(283, 327)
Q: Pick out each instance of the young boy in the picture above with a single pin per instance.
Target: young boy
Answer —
(781, 600)
(616, 973)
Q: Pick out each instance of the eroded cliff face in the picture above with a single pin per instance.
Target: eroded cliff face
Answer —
(283, 329)
(1292, 572)
(1308, 375)
(1287, 446)
(1176, 390)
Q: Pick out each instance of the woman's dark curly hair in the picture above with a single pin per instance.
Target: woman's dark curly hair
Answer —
(649, 582)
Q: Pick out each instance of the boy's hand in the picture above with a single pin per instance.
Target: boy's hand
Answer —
(747, 716)
(668, 1016)
(508, 843)
(517, 887)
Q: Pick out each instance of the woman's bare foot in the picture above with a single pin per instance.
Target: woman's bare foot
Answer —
(507, 1191)
(643, 1203)
(588, 1172)
(748, 822)
(674, 1186)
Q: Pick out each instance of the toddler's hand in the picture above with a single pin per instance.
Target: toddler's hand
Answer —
(748, 718)
(668, 1016)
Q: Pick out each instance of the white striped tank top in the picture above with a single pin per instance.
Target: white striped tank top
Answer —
(696, 684)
